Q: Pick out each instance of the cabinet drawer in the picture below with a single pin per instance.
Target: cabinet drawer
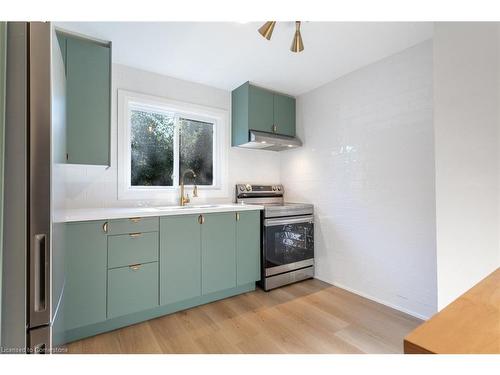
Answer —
(132, 289)
(133, 225)
(134, 248)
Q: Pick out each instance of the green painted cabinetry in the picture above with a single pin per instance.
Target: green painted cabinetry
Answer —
(128, 270)
(248, 247)
(260, 109)
(218, 252)
(180, 258)
(85, 265)
(284, 114)
(254, 108)
(132, 248)
(88, 99)
(203, 254)
(133, 225)
(133, 288)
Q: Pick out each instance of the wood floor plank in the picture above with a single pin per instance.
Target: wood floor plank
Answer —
(138, 338)
(307, 317)
(366, 342)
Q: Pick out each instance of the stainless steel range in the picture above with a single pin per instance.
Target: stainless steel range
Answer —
(287, 235)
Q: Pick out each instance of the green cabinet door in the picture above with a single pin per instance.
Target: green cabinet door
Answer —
(85, 268)
(248, 247)
(88, 69)
(284, 114)
(260, 109)
(132, 289)
(218, 252)
(180, 258)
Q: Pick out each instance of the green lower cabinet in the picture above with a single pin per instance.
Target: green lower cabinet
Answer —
(218, 252)
(180, 258)
(248, 247)
(132, 288)
(133, 248)
(133, 225)
(113, 278)
(85, 268)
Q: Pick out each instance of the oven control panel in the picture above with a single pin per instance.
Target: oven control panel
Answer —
(249, 189)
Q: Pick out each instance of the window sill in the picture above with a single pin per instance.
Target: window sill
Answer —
(171, 194)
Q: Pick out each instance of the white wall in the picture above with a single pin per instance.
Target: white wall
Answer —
(466, 116)
(368, 166)
(91, 186)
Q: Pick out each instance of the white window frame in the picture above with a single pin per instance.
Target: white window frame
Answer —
(128, 101)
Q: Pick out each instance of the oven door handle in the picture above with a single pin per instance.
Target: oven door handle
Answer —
(309, 219)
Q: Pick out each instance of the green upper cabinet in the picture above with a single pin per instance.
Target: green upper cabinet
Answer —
(254, 108)
(260, 109)
(218, 252)
(284, 114)
(88, 101)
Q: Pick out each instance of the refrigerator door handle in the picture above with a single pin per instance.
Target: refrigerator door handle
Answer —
(41, 273)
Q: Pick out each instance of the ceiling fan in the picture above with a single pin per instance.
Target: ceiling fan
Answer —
(266, 30)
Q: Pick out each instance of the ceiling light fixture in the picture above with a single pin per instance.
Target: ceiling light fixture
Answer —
(266, 30)
(297, 45)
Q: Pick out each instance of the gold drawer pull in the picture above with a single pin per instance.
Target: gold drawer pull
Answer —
(135, 235)
(134, 267)
(201, 219)
(237, 216)
(105, 227)
(135, 220)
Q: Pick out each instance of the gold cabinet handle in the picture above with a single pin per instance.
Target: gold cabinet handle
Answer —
(237, 216)
(134, 267)
(275, 128)
(135, 219)
(105, 227)
(135, 235)
(201, 219)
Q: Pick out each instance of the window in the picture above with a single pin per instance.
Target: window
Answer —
(161, 140)
(152, 148)
(196, 150)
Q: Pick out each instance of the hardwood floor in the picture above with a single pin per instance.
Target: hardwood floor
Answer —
(307, 317)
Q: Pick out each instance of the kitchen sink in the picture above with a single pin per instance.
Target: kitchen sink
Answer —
(194, 206)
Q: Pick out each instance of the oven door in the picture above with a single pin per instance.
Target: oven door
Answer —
(288, 244)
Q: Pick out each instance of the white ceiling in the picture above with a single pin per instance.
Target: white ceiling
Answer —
(225, 55)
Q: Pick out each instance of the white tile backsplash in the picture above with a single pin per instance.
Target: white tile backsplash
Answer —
(368, 167)
(96, 186)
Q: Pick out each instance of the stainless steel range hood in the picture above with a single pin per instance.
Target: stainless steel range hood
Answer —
(270, 142)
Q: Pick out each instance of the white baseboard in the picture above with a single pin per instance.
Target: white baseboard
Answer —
(385, 303)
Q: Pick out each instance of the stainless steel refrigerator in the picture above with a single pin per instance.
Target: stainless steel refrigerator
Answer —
(35, 85)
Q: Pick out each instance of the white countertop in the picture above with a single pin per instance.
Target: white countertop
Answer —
(89, 214)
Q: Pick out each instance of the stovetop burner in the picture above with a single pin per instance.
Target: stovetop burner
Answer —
(272, 198)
